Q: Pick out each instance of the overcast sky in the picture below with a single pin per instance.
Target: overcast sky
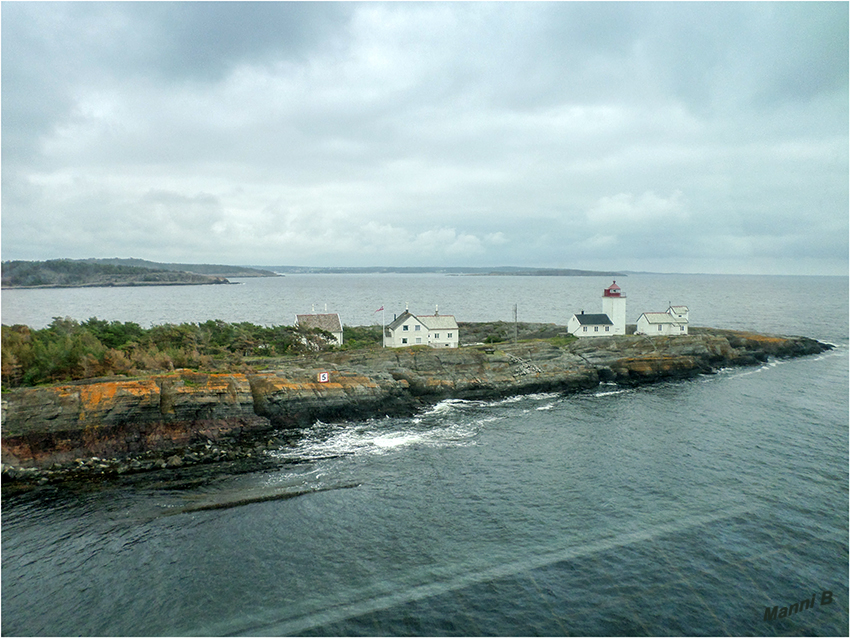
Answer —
(672, 137)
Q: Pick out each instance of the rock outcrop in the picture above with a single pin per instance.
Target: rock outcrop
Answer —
(169, 413)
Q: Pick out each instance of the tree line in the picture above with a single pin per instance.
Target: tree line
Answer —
(67, 350)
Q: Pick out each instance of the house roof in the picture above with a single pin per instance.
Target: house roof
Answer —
(400, 320)
(679, 308)
(594, 320)
(329, 322)
(431, 322)
(661, 317)
(438, 322)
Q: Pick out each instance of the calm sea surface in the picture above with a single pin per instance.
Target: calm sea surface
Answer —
(678, 508)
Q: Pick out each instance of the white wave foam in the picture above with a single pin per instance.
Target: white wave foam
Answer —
(449, 405)
(397, 439)
(607, 393)
(449, 422)
(347, 440)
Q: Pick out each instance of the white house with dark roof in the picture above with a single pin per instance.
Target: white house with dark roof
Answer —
(437, 331)
(329, 322)
(590, 325)
(672, 322)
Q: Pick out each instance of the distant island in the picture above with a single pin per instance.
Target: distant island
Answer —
(213, 270)
(74, 273)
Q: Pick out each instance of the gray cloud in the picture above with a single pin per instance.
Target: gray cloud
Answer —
(672, 136)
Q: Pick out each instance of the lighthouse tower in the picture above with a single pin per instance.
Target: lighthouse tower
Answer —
(614, 305)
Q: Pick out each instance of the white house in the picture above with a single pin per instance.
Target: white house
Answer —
(329, 322)
(437, 331)
(672, 322)
(612, 320)
(590, 325)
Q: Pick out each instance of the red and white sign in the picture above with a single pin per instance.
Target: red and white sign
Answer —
(324, 377)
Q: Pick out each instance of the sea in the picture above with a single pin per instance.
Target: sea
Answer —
(711, 506)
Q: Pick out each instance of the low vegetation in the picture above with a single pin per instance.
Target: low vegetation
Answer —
(505, 331)
(68, 350)
(357, 337)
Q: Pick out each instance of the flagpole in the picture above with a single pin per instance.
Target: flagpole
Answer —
(383, 327)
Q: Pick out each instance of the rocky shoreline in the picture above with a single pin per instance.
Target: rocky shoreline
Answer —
(114, 427)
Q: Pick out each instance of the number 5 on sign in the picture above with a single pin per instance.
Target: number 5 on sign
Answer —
(324, 377)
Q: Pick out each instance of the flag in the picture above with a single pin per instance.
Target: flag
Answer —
(379, 309)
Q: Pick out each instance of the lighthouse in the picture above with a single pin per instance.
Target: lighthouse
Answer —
(614, 305)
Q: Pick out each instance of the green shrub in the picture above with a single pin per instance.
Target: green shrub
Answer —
(356, 337)
(68, 350)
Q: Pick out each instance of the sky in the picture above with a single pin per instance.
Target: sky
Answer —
(666, 137)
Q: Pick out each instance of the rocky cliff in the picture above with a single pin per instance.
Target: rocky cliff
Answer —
(187, 416)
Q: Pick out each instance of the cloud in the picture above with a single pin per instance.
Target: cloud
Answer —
(542, 134)
(624, 209)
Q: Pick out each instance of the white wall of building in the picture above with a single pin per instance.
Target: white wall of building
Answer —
(443, 338)
(411, 332)
(615, 308)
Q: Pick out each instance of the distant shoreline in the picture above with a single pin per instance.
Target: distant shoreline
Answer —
(452, 270)
(128, 284)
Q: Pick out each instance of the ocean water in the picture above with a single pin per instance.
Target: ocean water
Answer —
(681, 508)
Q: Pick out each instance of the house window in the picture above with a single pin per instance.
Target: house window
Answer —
(681, 328)
(417, 327)
(436, 335)
(404, 340)
(659, 327)
(584, 328)
(418, 339)
(405, 327)
(606, 328)
(595, 328)
(449, 336)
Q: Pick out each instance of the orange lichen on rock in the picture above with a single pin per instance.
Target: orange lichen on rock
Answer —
(95, 394)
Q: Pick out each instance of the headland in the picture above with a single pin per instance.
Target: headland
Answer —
(123, 425)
